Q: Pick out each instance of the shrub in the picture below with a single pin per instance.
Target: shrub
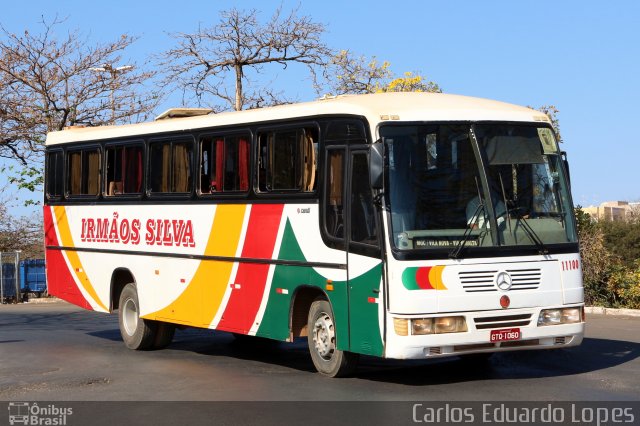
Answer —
(623, 286)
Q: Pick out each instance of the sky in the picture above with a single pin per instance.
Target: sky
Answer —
(581, 56)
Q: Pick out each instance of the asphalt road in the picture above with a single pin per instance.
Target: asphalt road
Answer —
(56, 352)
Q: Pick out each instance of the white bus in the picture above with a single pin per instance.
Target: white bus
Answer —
(400, 225)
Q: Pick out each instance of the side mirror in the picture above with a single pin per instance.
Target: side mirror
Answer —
(376, 165)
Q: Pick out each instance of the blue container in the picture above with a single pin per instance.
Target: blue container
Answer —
(8, 280)
(33, 276)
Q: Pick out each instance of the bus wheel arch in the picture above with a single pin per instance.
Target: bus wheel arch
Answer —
(119, 279)
(301, 302)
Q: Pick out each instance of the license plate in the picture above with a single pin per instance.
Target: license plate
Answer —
(505, 334)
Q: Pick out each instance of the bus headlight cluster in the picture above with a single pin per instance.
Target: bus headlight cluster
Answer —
(421, 326)
(560, 316)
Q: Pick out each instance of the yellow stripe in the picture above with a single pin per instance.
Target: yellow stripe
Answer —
(66, 240)
(200, 301)
(435, 277)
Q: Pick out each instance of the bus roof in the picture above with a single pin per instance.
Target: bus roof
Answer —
(375, 108)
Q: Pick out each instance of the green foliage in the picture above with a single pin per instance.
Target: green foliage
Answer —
(29, 178)
(623, 240)
(624, 286)
(610, 254)
(596, 259)
(584, 221)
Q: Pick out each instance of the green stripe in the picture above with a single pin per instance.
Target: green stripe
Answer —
(364, 321)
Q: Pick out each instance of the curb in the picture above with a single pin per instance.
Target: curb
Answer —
(599, 310)
(43, 300)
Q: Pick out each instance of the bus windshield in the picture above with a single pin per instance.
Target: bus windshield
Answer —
(481, 185)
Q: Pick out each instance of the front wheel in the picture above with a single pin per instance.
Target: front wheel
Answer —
(326, 357)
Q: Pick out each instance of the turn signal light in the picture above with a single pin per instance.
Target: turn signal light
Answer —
(401, 326)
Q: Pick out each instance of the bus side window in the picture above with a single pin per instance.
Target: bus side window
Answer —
(363, 219)
(287, 160)
(124, 170)
(170, 167)
(224, 164)
(334, 214)
(83, 171)
(55, 183)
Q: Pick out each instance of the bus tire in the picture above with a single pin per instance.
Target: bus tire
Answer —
(137, 333)
(326, 357)
(164, 335)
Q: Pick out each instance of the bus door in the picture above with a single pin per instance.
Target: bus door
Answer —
(364, 264)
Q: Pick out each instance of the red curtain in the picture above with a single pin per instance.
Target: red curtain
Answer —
(132, 170)
(243, 164)
(219, 183)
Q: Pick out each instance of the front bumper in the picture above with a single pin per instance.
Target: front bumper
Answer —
(477, 338)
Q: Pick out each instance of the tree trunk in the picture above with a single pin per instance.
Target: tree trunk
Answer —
(238, 87)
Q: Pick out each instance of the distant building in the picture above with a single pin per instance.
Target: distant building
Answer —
(613, 210)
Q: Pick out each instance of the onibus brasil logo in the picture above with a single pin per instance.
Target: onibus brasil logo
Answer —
(27, 413)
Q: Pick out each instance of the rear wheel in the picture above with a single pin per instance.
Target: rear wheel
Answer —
(139, 333)
(326, 357)
(164, 335)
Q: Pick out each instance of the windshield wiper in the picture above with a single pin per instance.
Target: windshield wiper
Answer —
(542, 249)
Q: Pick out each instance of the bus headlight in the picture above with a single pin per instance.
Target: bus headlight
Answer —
(560, 316)
(450, 325)
(422, 326)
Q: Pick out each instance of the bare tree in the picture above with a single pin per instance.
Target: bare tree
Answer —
(356, 75)
(47, 84)
(213, 62)
(21, 233)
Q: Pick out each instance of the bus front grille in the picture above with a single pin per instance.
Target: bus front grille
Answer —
(485, 281)
(504, 321)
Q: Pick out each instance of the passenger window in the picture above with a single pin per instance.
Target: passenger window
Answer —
(124, 170)
(363, 220)
(84, 172)
(224, 164)
(170, 167)
(287, 160)
(55, 184)
(334, 214)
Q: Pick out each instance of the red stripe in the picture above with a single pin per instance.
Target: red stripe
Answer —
(60, 282)
(422, 278)
(259, 243)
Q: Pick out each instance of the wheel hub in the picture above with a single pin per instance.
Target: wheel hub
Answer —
(130, 317)
(324, 337)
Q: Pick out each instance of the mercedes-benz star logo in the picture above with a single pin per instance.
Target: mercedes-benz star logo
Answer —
(504, 281)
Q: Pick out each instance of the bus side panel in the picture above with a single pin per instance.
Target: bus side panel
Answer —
(60, 279)
(251, 278)
(366, 308)
(286, 281)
